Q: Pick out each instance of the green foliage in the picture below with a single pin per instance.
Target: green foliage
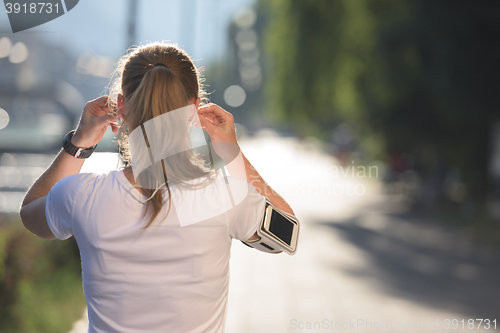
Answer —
(417, 75)
(40, 282)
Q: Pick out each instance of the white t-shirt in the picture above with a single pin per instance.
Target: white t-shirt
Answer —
(164, 278)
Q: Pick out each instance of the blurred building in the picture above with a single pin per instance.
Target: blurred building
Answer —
(43, 88)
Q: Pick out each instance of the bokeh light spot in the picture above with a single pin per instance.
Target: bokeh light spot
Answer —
(5, 45)
(4, 118)
(234, 96)
(18, 53)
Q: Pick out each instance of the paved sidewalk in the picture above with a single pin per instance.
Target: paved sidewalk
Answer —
(351, 271)
(363, 265)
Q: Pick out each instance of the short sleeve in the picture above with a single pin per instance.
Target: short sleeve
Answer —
(59, 206)
(247, 215)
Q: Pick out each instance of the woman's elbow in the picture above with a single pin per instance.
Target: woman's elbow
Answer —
(32, 222)
(26, 218)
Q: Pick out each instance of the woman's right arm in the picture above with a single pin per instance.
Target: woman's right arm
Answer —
(219, 124)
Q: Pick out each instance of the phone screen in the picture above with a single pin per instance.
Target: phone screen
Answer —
(281, 227)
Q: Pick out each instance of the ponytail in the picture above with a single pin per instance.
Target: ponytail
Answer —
(156, 79)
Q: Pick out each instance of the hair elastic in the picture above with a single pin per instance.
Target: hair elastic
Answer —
(160, 64)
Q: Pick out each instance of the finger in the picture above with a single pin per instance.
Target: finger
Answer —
(210, 116)
(101, 105)
(101, 101)
(104, 121)
(108, 108)
(213, 108)
(112, 103)
(204, 120)
(207, 125)
(215, 119)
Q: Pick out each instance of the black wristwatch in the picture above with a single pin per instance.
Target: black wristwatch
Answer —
(74, 150)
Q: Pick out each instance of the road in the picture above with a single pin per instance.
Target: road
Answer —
(363, 263)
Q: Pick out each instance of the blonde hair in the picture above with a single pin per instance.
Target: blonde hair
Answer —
(150, 91)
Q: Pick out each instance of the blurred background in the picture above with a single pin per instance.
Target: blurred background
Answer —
(377, 120)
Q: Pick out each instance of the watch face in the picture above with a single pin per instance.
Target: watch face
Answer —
(79, 153)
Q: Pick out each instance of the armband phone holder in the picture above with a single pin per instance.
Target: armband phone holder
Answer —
(278, 231)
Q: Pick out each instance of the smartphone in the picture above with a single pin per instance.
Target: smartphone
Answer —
(279, 228)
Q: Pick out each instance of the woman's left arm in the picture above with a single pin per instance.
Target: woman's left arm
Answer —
(97, 115)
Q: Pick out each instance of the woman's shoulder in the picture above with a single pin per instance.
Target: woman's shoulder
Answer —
(89, 176)
(84, 180)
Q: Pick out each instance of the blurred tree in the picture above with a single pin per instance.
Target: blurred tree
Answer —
(421, 76)
(227, 71)
(40, 281)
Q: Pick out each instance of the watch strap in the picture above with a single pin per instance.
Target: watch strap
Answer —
(75, 151)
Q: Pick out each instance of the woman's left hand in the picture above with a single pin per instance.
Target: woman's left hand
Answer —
(97, 115)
